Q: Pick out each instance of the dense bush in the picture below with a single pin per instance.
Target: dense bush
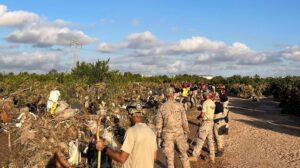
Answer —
(286, 90)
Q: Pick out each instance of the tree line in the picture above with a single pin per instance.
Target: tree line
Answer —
(283, 89)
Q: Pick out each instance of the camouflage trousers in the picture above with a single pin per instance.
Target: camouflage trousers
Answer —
(205, 132)
(226, 109)
(194, 100)
(219, 138)
(184, 100)
(225, 105)
(170, 139)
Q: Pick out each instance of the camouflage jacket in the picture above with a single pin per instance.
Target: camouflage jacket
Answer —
(171, 118)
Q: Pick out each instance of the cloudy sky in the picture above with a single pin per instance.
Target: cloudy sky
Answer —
(245, 37)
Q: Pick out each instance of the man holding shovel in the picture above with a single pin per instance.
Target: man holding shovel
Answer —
(139, 147)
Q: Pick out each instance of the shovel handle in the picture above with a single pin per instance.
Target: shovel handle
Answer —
(98, 138)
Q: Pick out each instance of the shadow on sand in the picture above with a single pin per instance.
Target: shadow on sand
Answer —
(284, 129)
(268, 115)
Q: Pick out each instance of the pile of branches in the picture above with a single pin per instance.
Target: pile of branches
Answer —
(39, 139)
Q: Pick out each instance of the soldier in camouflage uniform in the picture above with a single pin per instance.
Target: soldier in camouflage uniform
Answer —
(206, 129)
(221, 121)
(172, 126)
(194, 94)
(224, 99)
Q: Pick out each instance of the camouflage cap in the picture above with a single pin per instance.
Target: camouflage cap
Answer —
(169, 91)
(136, 108)
(206, 92)
(216, 97)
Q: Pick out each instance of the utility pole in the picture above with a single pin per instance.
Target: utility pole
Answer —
(75, 45)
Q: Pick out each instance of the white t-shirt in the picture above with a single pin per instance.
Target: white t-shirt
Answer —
(140, 144)
(208, 109)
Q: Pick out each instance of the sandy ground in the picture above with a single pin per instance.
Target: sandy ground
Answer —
(259, 137)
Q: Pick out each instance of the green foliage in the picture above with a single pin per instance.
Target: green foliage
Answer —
(286, 90)
(91, 72)
(219, 80)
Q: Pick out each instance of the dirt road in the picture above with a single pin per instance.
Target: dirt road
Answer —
(259, 137)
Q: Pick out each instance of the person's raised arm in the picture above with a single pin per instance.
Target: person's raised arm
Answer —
(119, 156)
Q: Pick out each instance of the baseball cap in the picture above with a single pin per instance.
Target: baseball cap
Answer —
(169, 91)
(136, 108)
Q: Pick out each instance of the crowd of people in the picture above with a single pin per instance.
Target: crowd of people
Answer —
(141, 143)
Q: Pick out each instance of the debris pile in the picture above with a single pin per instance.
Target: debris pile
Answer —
(56, 132)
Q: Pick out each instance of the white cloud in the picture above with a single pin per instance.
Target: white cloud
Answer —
(238, 49)
(291, 53)
(33, 29)
(61, 23)
(176, 67)
(109, 48)
(16, 18)
(30, 61)
(105, 48)
(30, 28)
(197, 44)
(3, 9)
(9, 46)
(147, 45)
(204, 57)
(44, 36)
(144, 37)
(142, 40)
(195, 55)
(259, 59)
(284, 71)
(143, 52)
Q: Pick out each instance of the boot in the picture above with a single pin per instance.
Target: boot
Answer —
(220, 153)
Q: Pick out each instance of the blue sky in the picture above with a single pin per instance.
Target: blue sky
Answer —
(169, 37)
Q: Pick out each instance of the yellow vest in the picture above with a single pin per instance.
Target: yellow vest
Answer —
(185, 91)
